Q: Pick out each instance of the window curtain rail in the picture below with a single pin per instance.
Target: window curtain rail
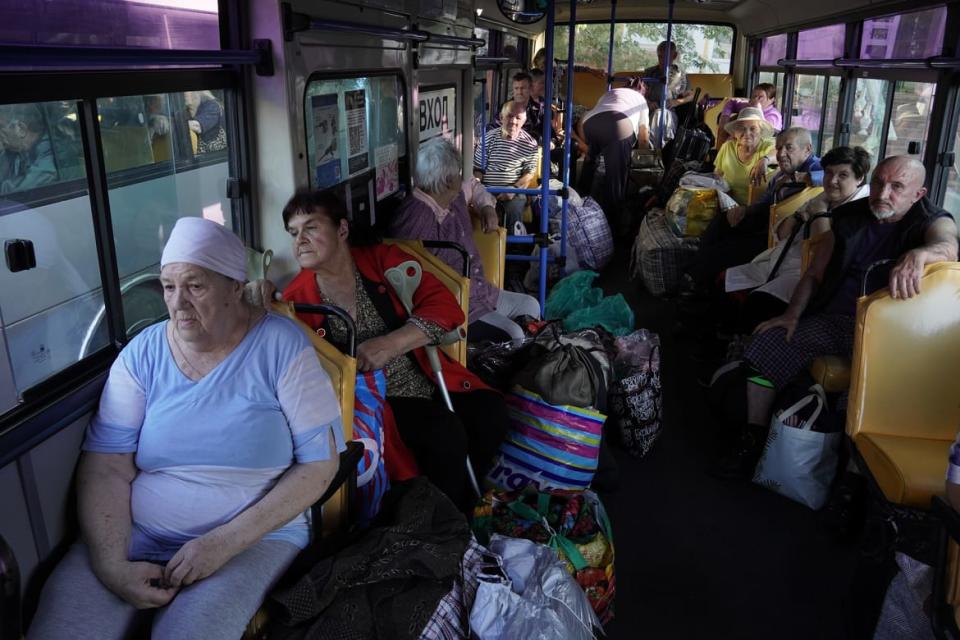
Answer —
(936, 62)
(66, 57)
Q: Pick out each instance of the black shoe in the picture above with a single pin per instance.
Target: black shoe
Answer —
(741, 462)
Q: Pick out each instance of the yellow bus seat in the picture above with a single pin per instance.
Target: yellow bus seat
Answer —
(342, 369)
(492, 248)
(711, 117)
(455, 281)
(711, 84)
(831, 372)
(903, 411)
(788, 207)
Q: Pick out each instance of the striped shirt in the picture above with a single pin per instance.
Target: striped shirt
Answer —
(507, 160)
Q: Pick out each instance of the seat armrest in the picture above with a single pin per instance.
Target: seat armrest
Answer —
(347, 472)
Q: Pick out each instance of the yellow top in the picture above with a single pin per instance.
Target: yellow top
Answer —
(736, 173)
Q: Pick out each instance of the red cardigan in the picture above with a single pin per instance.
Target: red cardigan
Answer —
(431, 301)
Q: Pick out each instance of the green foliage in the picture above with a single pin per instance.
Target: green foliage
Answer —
(636, 43)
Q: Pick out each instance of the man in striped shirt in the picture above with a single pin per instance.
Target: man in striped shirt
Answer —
(511, 161)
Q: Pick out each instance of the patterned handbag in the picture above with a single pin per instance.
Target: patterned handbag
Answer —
(635, 400)
(368, 429)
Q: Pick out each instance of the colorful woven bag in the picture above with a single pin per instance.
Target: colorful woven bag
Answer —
(548, 446)
(368, 416)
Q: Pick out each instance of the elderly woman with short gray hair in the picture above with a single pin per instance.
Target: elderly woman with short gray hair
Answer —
(440, 209)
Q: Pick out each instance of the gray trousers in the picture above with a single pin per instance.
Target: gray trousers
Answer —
(75, 605)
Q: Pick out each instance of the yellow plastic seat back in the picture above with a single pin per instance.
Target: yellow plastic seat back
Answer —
(787, 207)
(711, 117)
(712, 84)
(342, 370)
(903, 410)
(492, 248)
(458, 284)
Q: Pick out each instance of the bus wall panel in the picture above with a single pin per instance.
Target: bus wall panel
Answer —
(15, 523)
(54, 463)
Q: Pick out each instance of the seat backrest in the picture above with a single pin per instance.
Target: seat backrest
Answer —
(905, 377)
(809, 248)
(712, 84)
(492, 248)
(787, 207)
(711, 117)
(459, 286)
(342, 370)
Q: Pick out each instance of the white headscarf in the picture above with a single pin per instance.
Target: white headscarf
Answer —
(205, 243)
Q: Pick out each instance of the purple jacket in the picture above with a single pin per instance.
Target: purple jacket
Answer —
(420, 218)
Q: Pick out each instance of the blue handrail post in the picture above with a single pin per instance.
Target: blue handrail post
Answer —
(666, 70)
(613, 25)
(545, 166)
(567, 133)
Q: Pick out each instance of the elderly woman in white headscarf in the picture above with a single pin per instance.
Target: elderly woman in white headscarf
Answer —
(216, 431)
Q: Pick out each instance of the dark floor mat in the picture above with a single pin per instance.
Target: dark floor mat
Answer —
(698, 557)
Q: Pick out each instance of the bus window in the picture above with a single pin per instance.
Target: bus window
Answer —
(167, 160)
(912, 103)
(703, 48)
(907, 35)
(869, 111)
(772, 49)
(355, 126)
(951, 201)
(830, 119)
(40, 306)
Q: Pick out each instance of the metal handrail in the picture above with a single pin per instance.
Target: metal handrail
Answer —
(301, 22)
(49, 55)
(933, 62)
(333, 310)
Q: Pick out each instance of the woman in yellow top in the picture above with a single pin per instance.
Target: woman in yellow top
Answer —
(744, 158)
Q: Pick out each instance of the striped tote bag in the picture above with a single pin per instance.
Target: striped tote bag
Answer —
(548, 446)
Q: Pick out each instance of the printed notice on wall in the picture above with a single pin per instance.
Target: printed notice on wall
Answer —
(326, 135)
(356, 106)
(388, 174)
(438, 113)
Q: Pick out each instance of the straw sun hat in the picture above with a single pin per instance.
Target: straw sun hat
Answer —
(750, 114)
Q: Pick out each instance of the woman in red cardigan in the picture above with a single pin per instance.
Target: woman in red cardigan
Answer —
(388, 338)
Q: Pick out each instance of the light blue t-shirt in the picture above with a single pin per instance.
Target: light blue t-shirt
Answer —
(208, 450)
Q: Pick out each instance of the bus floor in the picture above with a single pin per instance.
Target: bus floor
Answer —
(700, 557)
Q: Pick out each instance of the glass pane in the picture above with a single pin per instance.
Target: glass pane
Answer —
(825, 43)
(912, 104)
(47, 312)
(907, 35)
(869, 111)
(772, 77)
(483, 34)
(808, 105)
(701, 48)
(830, 119)
(951, 201)
(773, 49)
(154, 24)
(511, 47)
(354, 125)
(167, 159)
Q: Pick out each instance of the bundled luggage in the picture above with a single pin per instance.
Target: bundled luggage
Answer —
(573, 523)
(635, 399)
(659, 255)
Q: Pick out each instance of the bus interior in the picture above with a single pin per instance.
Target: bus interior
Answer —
(340, 95)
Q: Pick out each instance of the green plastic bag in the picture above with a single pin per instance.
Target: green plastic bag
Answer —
(572, 293)
(612, 313)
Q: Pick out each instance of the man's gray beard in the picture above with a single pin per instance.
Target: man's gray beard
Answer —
(882, 214)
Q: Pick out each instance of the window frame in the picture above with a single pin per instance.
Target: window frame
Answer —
(52, 403)
(712, 23)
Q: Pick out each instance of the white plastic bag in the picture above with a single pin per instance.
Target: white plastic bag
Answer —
(797, 462)
(540, 601)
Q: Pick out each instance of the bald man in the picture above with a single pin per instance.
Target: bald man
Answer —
(896, 222)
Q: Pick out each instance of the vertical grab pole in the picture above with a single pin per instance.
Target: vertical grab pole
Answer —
(567, 133)
(545, 167)
(666, 70)
(613, 24)
(483, 123)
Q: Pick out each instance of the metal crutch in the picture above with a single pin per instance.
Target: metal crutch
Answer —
(405, 278)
